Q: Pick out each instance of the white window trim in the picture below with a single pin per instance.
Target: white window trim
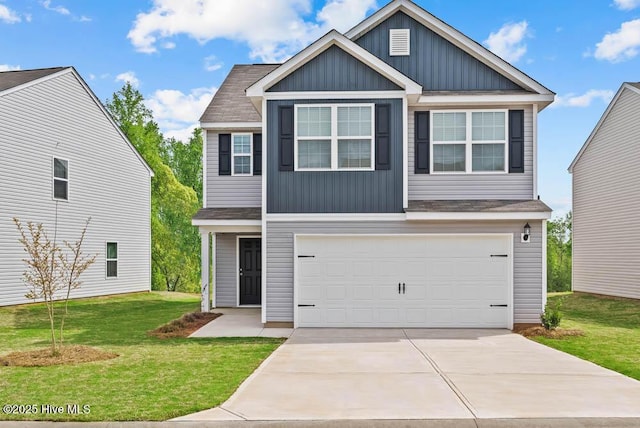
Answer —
(54, 178)
(250, 154)
(334, 137)
(468, 142)
(107, 259)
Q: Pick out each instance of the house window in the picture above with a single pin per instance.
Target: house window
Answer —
(469, 141)
(399, 42)
(334, 137)
(112, 259)
(241, 154)
(60, 179)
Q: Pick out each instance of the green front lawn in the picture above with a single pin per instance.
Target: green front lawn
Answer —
(612, 331)
(152, 379)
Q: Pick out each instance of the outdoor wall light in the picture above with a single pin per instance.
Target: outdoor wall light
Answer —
(526, 235)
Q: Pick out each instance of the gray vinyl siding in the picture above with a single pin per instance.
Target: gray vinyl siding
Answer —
(335, 191)
(606, 201)
(107, 182)
(528, 295)
(227, 191)
(225, 270)
(473, 186)
(334, 70)
(434, 62)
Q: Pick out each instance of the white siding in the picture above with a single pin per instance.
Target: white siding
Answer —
(228, 191)
(107, 182)
(473, 186)
(606, 203)
(528, 295)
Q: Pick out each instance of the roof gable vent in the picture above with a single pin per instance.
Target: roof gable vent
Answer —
(399, 42)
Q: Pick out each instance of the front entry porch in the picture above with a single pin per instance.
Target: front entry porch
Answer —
(239, 322)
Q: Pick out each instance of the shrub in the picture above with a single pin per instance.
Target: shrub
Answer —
(552, 315)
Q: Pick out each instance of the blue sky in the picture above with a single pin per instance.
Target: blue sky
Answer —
(178, 52)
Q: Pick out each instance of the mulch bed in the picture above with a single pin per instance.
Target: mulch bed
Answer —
(558, 333)
(73, 354)
(183, 326)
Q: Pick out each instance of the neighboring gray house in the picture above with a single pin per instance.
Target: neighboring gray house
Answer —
(385, 177)
(606, 201)
(63, 159)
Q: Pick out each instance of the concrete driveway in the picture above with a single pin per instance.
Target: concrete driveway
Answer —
(338, 374)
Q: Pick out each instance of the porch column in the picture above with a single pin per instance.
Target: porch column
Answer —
(205, 301)
(213, 268)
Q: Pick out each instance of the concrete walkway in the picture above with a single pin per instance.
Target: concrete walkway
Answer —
(239, 322)
(395, 374)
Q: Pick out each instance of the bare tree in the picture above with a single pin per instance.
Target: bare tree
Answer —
(51, 271)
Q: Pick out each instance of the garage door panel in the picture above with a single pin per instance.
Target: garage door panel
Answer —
(450, 281)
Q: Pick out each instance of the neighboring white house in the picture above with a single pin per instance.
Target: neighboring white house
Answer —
(63, 159)
(606, 201)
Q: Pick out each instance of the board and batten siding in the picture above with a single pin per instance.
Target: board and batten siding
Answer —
(434, 62)
(527, 264)
(606, 202)
(334, 70)
(473, 186)
(107, 182)
(378, 191)
(227, 191)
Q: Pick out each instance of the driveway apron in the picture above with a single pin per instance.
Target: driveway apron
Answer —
(338, 374)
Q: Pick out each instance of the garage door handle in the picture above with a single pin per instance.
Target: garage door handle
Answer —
(499, 306)
(398, 288)
(306, 306)
(403, 288)
(499, 255)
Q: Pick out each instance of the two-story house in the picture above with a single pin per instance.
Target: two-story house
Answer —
(63, 160)
(385, 177)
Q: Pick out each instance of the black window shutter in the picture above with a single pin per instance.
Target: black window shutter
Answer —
(422, 142)
(257, 154)
(383, 136)
(285, 138)
(224, 154)
(516, 141)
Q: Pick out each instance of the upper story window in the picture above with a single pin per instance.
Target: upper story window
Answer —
(60, 179)
(399, 42)
(241, 154)
(469, 141)
(334, 137)
(112, 259)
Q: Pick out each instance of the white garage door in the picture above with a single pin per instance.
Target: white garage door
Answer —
(404, 281)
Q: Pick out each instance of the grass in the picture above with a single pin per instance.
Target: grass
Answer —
(611, 331)
(152, 379)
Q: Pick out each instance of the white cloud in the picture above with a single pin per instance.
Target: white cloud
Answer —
(58, 9)
(92, 76)
(8, 16)
(627, 4)
(273, 30)
(128, 76)
(508, 43)
(178, 113)
(620, 45)
(168, 45)
(584, 100)
(210, 63)
(7, 67)
(84, 18)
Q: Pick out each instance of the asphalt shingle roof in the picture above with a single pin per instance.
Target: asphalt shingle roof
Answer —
(636, 84)
(484, 205)
(228, 214)
(11, 79)
(230, 103)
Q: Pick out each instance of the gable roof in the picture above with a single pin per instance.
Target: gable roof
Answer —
(634, 88)
(230, 103)
(330, 39)
(33, 77)
(12, 79)
(450, 34)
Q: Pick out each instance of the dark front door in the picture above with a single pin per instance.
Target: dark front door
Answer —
(250, 271)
